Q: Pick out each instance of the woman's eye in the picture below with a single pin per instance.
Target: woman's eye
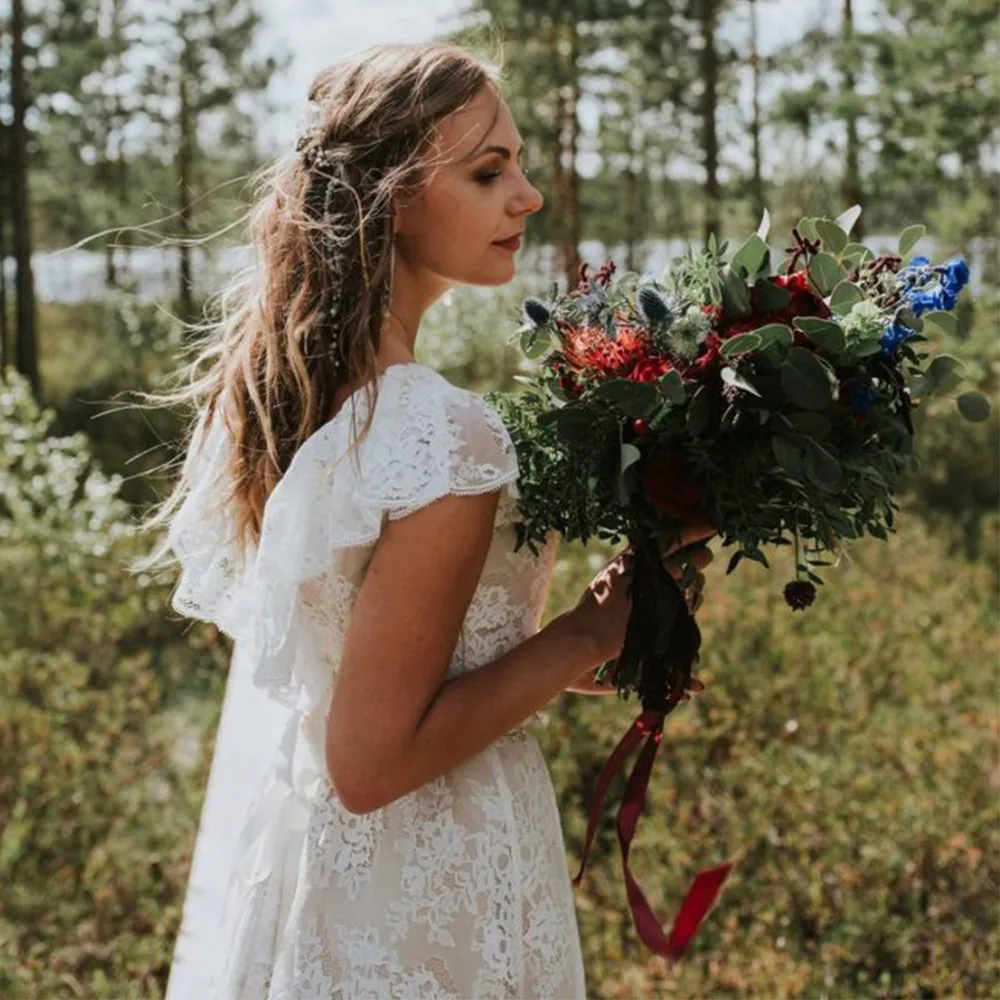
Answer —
(493, 175)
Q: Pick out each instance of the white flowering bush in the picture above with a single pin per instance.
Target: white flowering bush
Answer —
(100, 690)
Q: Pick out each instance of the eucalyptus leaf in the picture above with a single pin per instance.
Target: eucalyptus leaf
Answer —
(634, 399)
(946, 322)
(822, 332)
(945, 373)
(973, 406)
(809, 423)
(844, 297)
(699, 412)
(822, 468)
(909, 238)
(805, 380)
(672, 386)
(770, 297)
(735, 294)
(732, 377)
(825, 273)
(847, 219)
(789, 456)
(630, 455)
(765, 225)
(867, 347)
(777, 334)
(740, 344)
(751, 254)
(807, 228)
(834, 238)
(857, 254)
(535, 342)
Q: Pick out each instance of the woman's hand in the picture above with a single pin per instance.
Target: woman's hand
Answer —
(604, 608)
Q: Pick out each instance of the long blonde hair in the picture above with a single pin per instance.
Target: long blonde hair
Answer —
(306, 318)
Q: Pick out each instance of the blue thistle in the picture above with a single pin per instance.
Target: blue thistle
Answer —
(536, 311)
(653, 308)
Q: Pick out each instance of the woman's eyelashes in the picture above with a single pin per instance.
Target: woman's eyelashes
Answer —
(489, 177)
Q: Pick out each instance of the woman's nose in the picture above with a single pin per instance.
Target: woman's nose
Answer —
(533, 199)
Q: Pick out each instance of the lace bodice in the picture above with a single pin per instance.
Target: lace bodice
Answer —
(460, 888)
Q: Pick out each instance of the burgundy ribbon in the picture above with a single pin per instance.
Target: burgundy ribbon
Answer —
(707, 883)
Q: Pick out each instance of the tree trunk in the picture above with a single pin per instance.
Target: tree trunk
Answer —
(556, 194)
(27, 339)
(571, 243)
(710, 78)
(852, 173)
(5, 359)
(630, 190)
(757, 189)
(185, 158)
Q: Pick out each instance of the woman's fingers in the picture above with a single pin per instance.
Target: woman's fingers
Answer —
(694, 686)
(700, 558)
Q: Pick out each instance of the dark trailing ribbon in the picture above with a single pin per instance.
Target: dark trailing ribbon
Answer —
(661, 645)
(707, 883)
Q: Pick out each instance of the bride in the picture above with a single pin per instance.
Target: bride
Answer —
(346, 515)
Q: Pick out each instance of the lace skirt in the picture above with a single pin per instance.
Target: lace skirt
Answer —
(457, 890)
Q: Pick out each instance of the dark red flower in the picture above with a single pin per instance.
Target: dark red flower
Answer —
(805, 302)
(799, 594)
(570, 384)
(668, 486)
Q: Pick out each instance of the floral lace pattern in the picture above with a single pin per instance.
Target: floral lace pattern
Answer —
(461, 888)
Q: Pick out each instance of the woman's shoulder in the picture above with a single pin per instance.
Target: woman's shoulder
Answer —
(426, 437)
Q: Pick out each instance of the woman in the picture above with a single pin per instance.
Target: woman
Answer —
(409, 843)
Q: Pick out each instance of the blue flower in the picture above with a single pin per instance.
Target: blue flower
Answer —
(916, 269)
(956, 274)
(923, 300)
(894, 335)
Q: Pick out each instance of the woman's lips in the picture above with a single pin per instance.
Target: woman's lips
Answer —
(514, 243)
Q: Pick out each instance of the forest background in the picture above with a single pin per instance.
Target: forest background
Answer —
(849, 755)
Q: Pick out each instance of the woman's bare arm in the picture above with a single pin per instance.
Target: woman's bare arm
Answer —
(395, 722)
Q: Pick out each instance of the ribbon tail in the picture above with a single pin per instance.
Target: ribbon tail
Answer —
(613, 764)
(700, 895)
(697, 903)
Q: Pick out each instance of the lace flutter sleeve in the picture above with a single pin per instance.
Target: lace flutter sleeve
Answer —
(428, 438)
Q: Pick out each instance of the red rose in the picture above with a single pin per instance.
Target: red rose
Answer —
(667, 485)
(805, 301)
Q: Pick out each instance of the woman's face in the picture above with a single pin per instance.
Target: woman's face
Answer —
(476, 194)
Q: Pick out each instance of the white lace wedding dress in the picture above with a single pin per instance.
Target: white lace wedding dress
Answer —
(459, 889)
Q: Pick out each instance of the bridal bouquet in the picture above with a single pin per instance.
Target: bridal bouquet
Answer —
(773, 402)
